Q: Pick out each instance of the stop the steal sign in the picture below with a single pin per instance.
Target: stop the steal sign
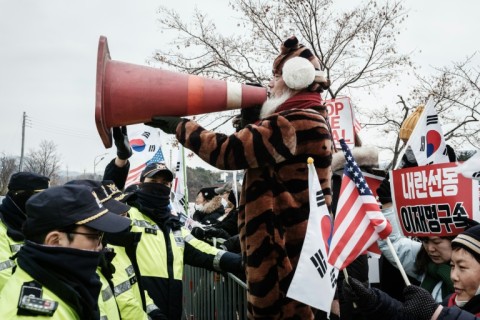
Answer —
(340, 117)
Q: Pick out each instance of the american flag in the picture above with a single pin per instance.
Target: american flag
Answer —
(359, 221)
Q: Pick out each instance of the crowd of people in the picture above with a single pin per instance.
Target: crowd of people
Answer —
(95, 250)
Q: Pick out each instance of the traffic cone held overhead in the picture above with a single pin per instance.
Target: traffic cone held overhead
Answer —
(129, 94)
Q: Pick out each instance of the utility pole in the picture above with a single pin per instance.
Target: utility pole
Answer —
(23, 141)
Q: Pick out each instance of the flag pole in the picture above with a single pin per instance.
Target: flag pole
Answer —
(185, 187)
(397, 261)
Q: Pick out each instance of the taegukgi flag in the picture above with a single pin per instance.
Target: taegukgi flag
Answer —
(147, 148)
(314, 274)
(359, 221)
(427, 141)
(179, 187)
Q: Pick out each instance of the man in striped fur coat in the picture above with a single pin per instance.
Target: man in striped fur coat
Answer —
(274, 206)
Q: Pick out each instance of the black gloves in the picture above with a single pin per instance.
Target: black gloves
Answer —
(124, 150)
(359, 293)
(383, 191)
(166, 124)
(419, 303)
(198, 233)
(232, 244)
(209, 232)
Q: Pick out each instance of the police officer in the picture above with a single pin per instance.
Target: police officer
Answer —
(21, 187)
(166, 245)
(55, 275)
(122, 281)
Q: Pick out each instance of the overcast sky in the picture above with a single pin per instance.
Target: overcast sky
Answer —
(48, 52)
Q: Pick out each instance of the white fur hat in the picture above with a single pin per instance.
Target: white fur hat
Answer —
(298, 73)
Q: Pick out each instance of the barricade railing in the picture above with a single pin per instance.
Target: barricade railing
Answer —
(209, 295)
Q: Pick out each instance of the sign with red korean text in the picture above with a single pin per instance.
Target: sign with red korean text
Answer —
(340, 117)
(431, 200)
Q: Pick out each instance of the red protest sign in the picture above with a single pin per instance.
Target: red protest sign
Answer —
(431, 200)
(340, 117)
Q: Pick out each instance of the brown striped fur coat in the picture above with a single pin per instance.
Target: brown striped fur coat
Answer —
(274, 206)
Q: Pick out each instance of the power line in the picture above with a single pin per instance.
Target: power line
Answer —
(54, 128)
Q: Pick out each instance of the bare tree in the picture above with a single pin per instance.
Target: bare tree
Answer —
(456, 92)
(456, 88)
(8, 165)
(357, 47)
(45, 160)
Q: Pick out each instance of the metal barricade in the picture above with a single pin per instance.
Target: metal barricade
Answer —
(209, 295)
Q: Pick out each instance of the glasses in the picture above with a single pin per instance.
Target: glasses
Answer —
(98, 236)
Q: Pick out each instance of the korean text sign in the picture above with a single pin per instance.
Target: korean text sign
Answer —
(431, 200)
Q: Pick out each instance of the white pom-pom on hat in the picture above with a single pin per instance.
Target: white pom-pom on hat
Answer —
(298, 73)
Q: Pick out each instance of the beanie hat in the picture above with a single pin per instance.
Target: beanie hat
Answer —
(297, 73)
(469, 240)
(28, 181)
(208, 193)
(409, 123)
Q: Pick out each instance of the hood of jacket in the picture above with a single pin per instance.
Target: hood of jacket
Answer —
(365, 156)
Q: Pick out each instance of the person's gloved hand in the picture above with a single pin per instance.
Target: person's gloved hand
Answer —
(359, 293)
(419, 303)
(212, 232)
(383, 191)
(198, 233)
(232, 244)
(166, 124)
(120, 137)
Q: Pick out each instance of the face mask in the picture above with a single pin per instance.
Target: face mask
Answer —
(224, 203)
(154, 188)
(198, 207)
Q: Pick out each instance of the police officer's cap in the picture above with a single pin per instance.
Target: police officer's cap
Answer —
(59, 207)
(105, 191)
(157, 168)
(28, 181)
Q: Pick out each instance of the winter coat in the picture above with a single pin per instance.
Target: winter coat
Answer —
(212, 210)
(274, 202)
(470, 311)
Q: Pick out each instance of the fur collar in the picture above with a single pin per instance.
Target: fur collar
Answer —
(212, 205)
(364, 156)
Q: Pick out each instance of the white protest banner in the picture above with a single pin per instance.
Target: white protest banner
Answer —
(342, 120)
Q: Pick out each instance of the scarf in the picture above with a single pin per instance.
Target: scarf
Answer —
(13, 218)
(153, 200)
(436, 273)
(302, 100)
(67, 272)
(472, 306)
